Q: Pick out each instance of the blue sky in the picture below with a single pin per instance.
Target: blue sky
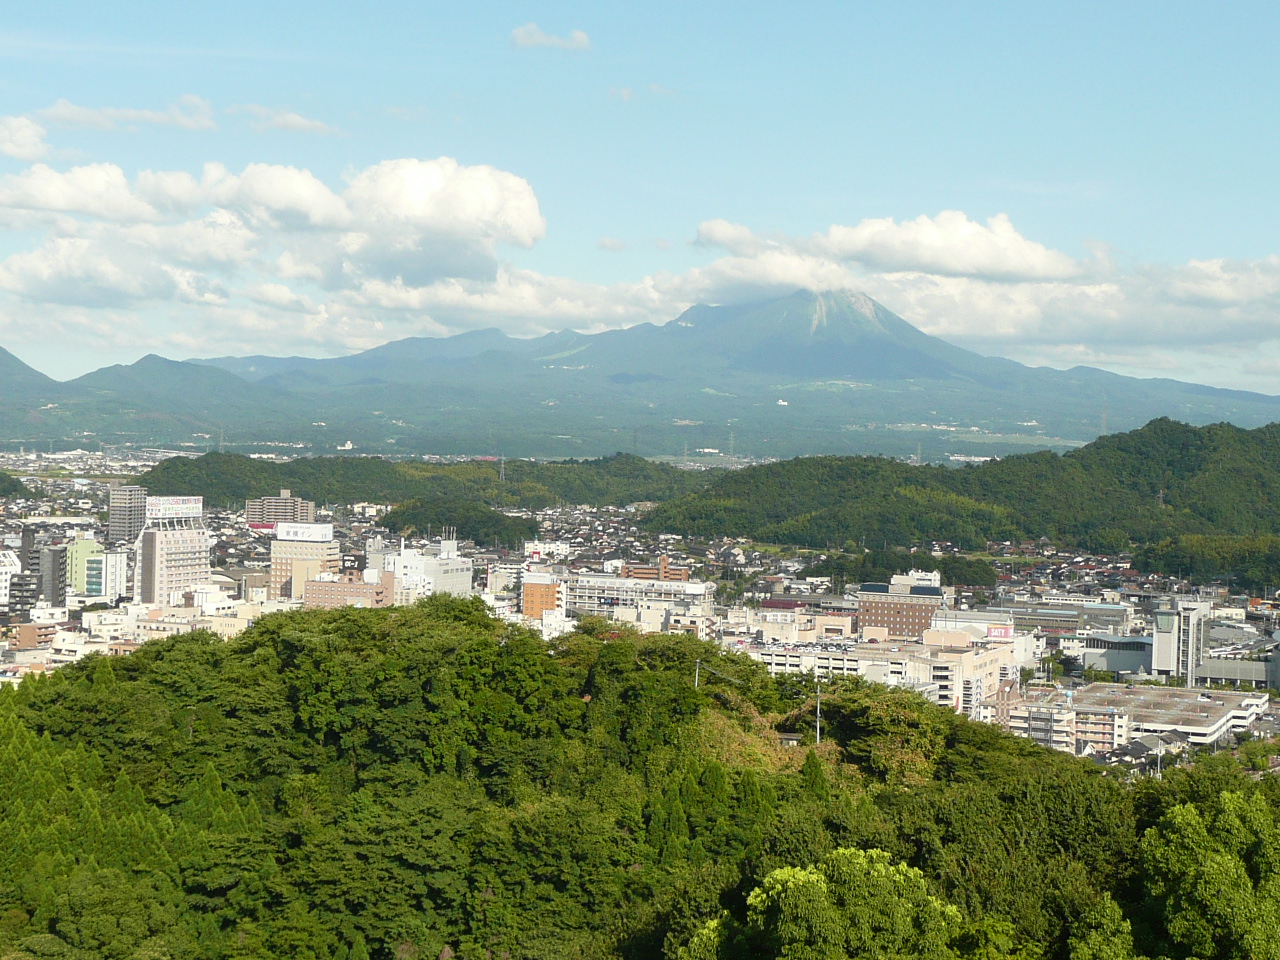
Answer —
(1083, 183)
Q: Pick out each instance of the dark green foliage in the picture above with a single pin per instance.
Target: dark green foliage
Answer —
(11, 486)
(227, 480)
(429, 782)
(473, 521)
(1164, 480)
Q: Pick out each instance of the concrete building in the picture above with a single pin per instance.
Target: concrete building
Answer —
(540, 591)
(126, 513)
(602, 595)
(95, 572)
(420, 574)
(350, 588)
(285, 508)
(1103, 717)
(662, 570)
(903, 608)
(1178, 638)
(53, 574)
(301, 552)
(173, 550)
(959, 674)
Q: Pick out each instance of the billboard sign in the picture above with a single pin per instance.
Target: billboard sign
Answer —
(174, 508)
(306, 532)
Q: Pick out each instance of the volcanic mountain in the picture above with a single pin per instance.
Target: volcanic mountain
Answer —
(807, 373)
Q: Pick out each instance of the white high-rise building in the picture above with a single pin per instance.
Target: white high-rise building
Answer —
(173, 550)
(1178, 639)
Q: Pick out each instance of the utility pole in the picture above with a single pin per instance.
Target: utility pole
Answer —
(817, 735)
(697, 672)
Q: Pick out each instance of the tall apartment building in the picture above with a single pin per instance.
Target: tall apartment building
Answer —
(540, 591)
(301, 552)
(24, 593)
(173, 549)
(285, 508)
(53, 574)
(126, 513)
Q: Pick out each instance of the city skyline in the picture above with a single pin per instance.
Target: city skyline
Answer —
(1078, 189)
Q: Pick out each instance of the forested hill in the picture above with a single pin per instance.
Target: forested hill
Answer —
(227, 480)
(1160, 481)
(426, 782)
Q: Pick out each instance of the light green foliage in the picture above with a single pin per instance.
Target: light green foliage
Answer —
(852, 904)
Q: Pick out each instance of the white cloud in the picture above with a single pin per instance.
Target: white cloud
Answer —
(531, 35)
(274, 258)
(949, 244)
(22, 138)
(96, 190)
(189, 113)
(267, 118)
(610, 245)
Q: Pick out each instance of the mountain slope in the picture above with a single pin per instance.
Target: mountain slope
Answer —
(803, 374)
(1163, 480)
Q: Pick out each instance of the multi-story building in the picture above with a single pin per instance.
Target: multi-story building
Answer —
(420, 574)
(902, 608)
(350, 588)
(662, 570)
(540, 591)
(602, 595)
(301, 552)
(173, 550)
(126, 513)
(53, 574)
(24, 594)
(285, 508)
(1178, 639)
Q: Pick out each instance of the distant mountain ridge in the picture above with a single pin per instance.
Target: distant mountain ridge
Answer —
(804, 374)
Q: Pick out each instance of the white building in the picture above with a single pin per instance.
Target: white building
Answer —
(173, 550)
(1178, 639)
(420, 574)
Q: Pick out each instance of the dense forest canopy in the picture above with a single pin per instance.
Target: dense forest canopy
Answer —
(1164, 480)
(228, 479)
(471, 520)
(427, 782)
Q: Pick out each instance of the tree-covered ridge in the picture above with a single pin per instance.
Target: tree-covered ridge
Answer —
(473, 521)
(427, 782)
(1163, 480)
(228, 479)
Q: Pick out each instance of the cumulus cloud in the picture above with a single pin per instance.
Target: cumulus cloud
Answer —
(272, 257)
(266, 118)
(189, 113)
(949, 244)
(22, 138)
(96, 189)
(531, 35)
